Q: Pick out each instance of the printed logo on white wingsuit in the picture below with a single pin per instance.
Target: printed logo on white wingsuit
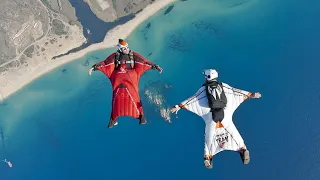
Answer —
(222, 135)
(222, 138)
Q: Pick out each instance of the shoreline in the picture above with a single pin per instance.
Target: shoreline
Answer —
(110, 40)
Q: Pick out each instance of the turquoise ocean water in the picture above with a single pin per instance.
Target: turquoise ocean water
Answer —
(55, 128)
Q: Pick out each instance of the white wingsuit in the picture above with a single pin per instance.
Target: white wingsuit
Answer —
(222, 135)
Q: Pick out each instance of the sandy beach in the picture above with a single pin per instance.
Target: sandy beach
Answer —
(110, 40)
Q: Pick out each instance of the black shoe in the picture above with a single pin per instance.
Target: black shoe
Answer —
(142, 120)
(245, 156)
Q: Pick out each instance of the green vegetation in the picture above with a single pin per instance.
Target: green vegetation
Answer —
(29, 51)
(58, 27)
(47, 3)
(72, 22)
(114, 4)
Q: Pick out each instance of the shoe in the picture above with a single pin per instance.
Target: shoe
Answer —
(142, 120)
(112, 123)
(245, 156)
(208, 163)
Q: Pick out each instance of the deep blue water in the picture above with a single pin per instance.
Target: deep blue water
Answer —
(56, 126)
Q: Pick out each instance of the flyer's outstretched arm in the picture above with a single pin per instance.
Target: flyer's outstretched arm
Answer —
(142, 64)
(192, 103)
(106, 66)
(237, 96)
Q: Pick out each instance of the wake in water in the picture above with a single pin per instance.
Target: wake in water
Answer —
(154, 92)
(8, 162)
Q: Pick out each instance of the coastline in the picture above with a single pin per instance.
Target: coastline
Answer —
(109, 41)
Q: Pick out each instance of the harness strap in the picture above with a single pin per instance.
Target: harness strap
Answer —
(118, 58)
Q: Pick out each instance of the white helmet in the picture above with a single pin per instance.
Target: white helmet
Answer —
(210, 74)
(122, 45)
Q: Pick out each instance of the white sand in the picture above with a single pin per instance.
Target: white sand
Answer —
(111, 39)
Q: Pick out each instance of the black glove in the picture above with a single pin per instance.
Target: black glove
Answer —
(157, 67)
(94, 67)
(154, 66)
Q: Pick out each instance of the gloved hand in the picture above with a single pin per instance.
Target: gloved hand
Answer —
(157, 67)
(93, 68)
(175, 109)
(255, 95)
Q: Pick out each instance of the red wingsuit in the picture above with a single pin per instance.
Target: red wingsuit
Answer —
(125, 98)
